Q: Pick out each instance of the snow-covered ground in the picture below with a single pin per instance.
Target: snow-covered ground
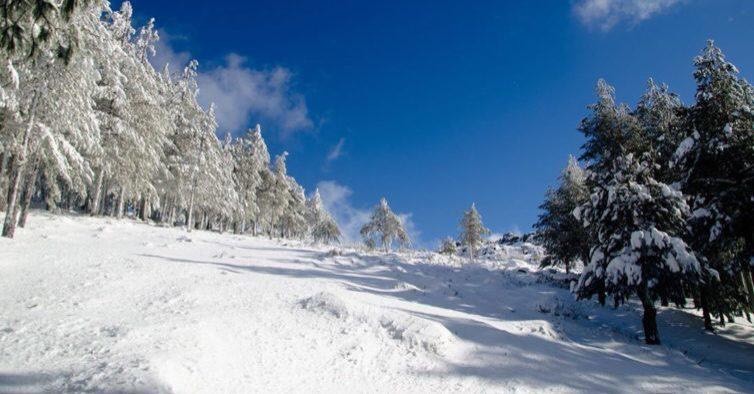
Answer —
(91, 304)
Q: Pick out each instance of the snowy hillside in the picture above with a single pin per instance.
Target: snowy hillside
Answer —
(91, 304)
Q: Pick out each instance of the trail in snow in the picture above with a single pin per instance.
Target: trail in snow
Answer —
(91, 304)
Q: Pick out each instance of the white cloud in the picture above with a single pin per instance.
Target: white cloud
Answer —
(606, 14)
(336, 151)
(337, 201)
(243, 95)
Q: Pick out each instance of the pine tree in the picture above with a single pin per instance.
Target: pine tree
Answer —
(563, 237)
(29, 28)
(105, 132)
(448, 246)
(638, 223)
(246, 173)
(386, 226)
(611, 131)
(322, 226)
(717, 164)
(472, 230)
(661, 116)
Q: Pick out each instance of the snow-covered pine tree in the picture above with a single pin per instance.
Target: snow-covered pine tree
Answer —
(293, 222)
(133, 117)
(386, 226)
(472, 230)
(262, 194)
(717, 164)
(65, 133)
(638, 223)
(611, 131)
(31, 27)
(448, 246)
(216, 199)
(47, 120)
(322, 226)
(246, 174)
(113, 134)
(563, 237)
(661, 116)
(280, 193)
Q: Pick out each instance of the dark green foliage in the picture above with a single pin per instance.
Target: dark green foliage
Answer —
(716, 165)
(648, 155)
(562, 236)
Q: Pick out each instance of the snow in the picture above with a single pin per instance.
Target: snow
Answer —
(684, 148)
(101, 305)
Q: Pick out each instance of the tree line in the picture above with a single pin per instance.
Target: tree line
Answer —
(87, 123)
(663, 206)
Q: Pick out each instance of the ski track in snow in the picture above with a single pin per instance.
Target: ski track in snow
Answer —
(101, 305)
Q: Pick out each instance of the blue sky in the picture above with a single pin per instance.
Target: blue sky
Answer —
(436, 105)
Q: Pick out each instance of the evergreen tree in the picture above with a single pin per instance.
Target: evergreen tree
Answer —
(105, 132)
(322, 226)
(563, 237)
(717, 164)
(472, 230)
(448, 246)
(246, 173)
(638, 223)
(386, 226)
(610, 131)
(31, 27)
(661, 115)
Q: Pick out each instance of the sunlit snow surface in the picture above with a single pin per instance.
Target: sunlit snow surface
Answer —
(91, 304)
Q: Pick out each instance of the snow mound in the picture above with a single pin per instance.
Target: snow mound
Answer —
(418, 333)
(326, 303)
(542, 329)
(565, 308)
(414, 332)
(405, 286)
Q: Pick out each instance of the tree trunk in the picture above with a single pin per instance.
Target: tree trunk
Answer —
(3, 166)
(9, 227)
(95, 202)
(601, 296)
(143, 209)
(649, 320)
(121, 202)
(195, 180)
(748, 285)
(704, 300)
(28, 193)
(190, 220)
(11, 209)
(171, 216)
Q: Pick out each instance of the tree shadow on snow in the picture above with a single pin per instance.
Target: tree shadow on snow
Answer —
(51, 382)
(579, 360)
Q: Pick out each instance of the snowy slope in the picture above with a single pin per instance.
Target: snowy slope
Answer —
(90, 304)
